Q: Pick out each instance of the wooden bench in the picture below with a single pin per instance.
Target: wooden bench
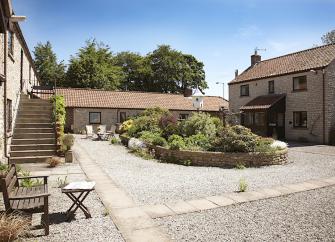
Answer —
(27, 199)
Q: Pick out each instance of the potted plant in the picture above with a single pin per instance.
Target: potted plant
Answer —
(68, 141)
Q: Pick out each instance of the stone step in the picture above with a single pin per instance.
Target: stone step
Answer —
(33, 147)
(35, 108)
(35, 100)
(33, 130)
(34, 135)
(32, 112)
(34, 120)
(28, 159)
(33, 141)
(35, 115)
(41, 105)
(33, 125)
(24, 153)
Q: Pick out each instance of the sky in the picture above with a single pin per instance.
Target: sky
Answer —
(220, 33)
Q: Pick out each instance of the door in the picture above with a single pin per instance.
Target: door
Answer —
(281, 126)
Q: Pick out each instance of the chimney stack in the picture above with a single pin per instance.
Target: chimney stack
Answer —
(255, 58)
(188, 92)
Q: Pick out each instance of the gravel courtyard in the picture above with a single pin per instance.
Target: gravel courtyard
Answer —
(307, 216)
(151, 182)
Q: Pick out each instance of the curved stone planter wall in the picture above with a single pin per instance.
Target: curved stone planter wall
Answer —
(220, 159)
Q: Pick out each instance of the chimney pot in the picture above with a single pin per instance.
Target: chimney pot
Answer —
(236, 73)
(255, 58)
(188, 92)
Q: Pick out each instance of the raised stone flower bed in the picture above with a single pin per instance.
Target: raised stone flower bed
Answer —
(221, 159)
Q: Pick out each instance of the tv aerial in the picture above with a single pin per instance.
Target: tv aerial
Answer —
(258, 49)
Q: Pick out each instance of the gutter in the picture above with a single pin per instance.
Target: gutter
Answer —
(323, 106)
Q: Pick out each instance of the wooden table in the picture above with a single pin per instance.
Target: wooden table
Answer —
(78, 192)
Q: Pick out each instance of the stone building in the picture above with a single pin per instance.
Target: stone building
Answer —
(93, 106)
(291, 97)
(17, 72)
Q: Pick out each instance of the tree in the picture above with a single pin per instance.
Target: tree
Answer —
(173, 70)
(49, 70)
(94, 67)
(329, 38)
(137, 70)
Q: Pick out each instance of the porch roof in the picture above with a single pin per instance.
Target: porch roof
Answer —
(263, 102)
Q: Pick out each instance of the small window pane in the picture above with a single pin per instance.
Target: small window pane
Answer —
(244, 90)
(300, 119)
(248, 119)
(271, 86)
(183, 116)
(95, 117)
(299, 83)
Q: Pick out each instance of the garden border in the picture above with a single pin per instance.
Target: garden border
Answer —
(221, 159)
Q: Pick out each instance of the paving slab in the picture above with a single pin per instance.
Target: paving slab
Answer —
(236, 197)
(180, 207)
(202, 204)
(221, 200)
(297, 187)
(284, 190)
(252, 195)
(319, 183)
(330, 180)
(269, 193)
(157, 211)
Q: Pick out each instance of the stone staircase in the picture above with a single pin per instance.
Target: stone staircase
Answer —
(34, 138)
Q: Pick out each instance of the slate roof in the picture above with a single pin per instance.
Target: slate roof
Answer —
(305, 60)
(96, 98)
(263, 102)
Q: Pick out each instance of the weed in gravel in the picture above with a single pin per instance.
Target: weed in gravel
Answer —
(142, 153)
(53, 161)
(243, 185)
(62, 182)
(29, 182)
(115, 141)
(240, 166)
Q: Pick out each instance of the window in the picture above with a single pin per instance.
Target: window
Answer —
(123, 117)
(300, 119)
(260, 119)
(244, 91)
(247, 119)
(271, 87)
(95, 117)
(299, 83)
(9, 115)
(11, 42)
(183, 116)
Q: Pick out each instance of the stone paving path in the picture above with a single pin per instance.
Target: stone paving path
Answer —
(182, 207)
(132, 221)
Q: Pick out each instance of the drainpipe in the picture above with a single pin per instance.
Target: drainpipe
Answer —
(5, 95)
(324, 106)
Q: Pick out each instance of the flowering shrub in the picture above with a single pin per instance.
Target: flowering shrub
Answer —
(197, 142)
(169, 125)
(200, 123)
(278, 145)
(126, 125)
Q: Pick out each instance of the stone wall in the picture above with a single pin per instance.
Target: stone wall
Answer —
(220, 159)
(309, 101)
(330, 98)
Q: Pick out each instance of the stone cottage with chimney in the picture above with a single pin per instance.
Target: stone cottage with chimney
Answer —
(290, 97)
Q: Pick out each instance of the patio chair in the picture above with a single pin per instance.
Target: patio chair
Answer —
(111, 133)
(102, 132)
(89, 131)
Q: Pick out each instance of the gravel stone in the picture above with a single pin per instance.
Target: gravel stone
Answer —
(151, 182)
(306, 216)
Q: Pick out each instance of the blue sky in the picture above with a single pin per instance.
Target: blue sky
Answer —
(220, 33)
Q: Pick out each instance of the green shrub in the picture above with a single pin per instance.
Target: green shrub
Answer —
(143, 153)
(143, 123)
(243, 185)
(59, 115)
(153, 138)
(115, 141)
(68, 141)
(200, 123)
(240, 166)
(176, 142)
(198, 142)
(236, 139)
(264, 145)
(126, 125)
(169, 125)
